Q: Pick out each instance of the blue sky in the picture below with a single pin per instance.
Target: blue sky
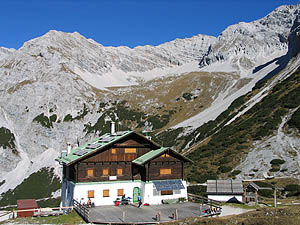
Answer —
(126, 22)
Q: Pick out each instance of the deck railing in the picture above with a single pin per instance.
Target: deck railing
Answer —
(82, 210)
(204, 200)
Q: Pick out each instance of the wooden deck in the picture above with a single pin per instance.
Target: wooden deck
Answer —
(131, 214)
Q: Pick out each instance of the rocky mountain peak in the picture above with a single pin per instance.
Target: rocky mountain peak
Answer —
(5, 52)
(246, 44)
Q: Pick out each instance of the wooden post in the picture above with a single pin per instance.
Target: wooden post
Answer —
(158, 217)
(123, 216)
(201, 209)
(176, 214)
(256, 197)
(275, 195)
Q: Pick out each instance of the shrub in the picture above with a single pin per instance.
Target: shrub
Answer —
(53, 118)
(266, 193)
(235, 172)
(202, 177)
(240, 147)
(295, 120)
(68, 118)
(167, 137)
(187, 96)
(7, 139)
(262, 184)
(43, 120)
(197, 190)
(292, 187)
(277, 162)
(2, 182)
(224, 160)
(274, 169)
(225, 169)
(51, 202)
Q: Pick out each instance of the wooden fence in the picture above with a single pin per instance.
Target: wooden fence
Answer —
(82, 210)
(203, 200)
(36, 212)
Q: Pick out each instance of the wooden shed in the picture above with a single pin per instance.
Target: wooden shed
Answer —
(26, 204)
(224, 190)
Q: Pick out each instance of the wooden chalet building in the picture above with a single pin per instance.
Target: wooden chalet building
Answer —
(119, 163)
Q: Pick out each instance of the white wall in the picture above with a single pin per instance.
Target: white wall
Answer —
(81, 191)
(225, 198)
(155, 200)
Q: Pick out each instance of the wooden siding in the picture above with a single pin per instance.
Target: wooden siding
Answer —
(154, 168)
(112, 171)
(114, 158)
(116, 154)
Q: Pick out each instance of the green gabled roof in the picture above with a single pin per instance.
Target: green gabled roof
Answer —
(89, 148)
(154, 153)
(71, 158)
(149, 155)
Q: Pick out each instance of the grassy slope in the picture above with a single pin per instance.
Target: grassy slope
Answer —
(185, 95)
(279, 216)
(72, 218)
(227, 144)
(38, 185)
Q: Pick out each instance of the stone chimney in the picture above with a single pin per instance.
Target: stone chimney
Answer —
(112, 128)
(69, 148)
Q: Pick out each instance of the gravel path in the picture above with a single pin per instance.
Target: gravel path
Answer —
(229, 210)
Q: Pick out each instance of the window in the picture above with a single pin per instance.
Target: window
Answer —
(165, 171)
(106, 193)
(177, 192)
(170, 192)
(91, 194)
(155, 192)
(130, 150)
(119, 172)
(165, 155)
(113, 151)
(105, 172)
(120, 192)
(90, 172)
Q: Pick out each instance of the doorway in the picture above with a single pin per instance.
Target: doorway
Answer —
(136, 193)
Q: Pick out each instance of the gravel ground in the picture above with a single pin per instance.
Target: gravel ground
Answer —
(229, 210)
